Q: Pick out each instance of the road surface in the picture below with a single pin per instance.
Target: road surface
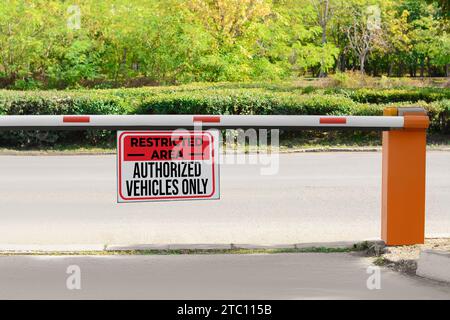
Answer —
(277, 276)
(315, 197)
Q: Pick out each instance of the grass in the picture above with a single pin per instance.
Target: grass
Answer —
(380, 261)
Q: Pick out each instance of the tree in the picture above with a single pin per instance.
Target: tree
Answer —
(27, 36)
(364, 32)
(444, 5)
(229, 20)
(396, 35)
(61, 44)
(324, 12)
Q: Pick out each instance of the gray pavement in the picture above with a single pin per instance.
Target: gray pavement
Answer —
(276, 276)
(315, 197)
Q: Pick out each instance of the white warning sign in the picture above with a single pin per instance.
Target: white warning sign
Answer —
(167, 165)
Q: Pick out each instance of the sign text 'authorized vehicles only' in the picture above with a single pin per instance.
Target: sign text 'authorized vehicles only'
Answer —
(167, 165)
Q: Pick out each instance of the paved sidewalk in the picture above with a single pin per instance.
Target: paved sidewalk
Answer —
(273, 276)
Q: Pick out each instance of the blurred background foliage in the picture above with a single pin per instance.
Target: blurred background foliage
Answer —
(57, 44)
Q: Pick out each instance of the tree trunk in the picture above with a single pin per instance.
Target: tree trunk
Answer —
(342, 62)
(322, 73)
(323, 24)
(324, 33)
(422, 68)
(338, 62)
(391, 68)
(413, 72)
(362, 60)
(401, 69)
(429, 67)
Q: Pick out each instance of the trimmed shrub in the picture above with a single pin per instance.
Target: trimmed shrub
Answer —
(218, 98)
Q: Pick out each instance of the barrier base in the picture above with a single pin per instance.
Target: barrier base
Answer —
(403, 183)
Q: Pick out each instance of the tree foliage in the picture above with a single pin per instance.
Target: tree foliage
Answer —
(108, 43)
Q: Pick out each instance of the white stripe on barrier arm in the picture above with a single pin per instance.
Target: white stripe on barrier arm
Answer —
(120, 122)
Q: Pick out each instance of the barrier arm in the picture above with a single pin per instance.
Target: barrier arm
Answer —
(141, 122)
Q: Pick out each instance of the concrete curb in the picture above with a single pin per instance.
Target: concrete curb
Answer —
(11, 248)
(332, 245)
(50, 248)
(230, 246)
(138, 247)
(141, 247)
(434, 264)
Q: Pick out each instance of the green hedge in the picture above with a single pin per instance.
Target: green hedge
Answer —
(52, 102)
(398, 95)
(211, 99)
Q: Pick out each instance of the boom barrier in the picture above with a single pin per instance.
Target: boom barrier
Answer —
(141, 122)
(404, 150)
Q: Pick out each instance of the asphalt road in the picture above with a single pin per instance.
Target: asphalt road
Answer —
(315, 197)
(278, 276)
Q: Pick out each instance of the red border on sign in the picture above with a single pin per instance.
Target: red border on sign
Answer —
(167, 197)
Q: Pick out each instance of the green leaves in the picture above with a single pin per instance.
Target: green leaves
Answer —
(112, 43)
(219, 98)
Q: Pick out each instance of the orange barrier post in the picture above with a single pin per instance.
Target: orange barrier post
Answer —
(403, 179)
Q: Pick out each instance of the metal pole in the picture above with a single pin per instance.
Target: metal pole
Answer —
(130, 122)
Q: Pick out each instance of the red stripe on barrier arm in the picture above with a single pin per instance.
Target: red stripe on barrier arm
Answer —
(77, 119)
(337, 120)
(215, 119)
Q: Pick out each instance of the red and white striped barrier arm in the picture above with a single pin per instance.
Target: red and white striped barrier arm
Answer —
(121, 122)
